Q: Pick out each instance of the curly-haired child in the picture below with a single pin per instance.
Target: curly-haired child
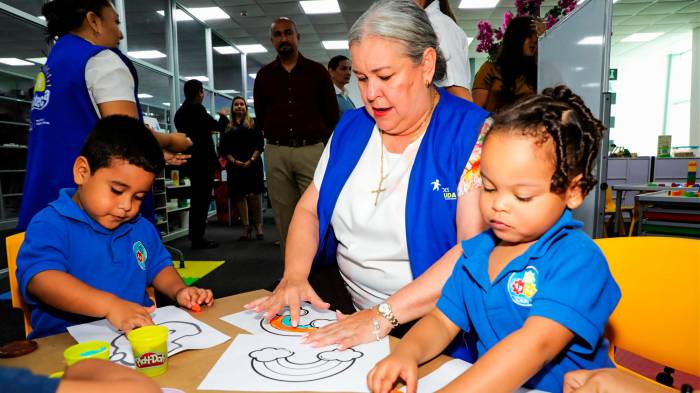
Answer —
(534, 289)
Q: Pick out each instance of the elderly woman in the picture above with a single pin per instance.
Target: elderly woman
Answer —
(394, 189)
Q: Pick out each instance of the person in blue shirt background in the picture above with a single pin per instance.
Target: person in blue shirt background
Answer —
(340, 68)
(90, 254)
(534, 289)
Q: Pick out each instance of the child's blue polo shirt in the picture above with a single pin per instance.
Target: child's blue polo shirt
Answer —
(563, 276)
(63, 237)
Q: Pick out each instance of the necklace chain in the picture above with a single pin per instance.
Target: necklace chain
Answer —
(383, 177)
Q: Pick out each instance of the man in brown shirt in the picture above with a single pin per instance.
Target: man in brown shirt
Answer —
(296, 109)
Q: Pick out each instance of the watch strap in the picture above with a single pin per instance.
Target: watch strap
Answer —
(388, 315)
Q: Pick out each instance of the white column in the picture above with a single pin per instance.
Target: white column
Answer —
(695, 90)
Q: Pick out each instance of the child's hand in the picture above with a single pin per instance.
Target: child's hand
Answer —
(126, 316)
(192, 297)
(382, 377)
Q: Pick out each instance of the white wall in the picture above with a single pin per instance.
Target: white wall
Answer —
(641, 89)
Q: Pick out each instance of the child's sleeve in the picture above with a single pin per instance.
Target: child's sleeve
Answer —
(452, 302)
(161, 257)
(17, 380)
(580, 293)
(44, 248)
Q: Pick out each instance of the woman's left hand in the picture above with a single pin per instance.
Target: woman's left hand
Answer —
(350, 330)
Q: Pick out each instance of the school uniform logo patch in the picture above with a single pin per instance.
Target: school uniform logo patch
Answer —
(522, 286)
(140, 254)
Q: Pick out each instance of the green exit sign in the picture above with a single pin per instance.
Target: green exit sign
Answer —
(612, 74)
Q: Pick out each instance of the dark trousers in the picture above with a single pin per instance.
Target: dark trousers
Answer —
(200, 196)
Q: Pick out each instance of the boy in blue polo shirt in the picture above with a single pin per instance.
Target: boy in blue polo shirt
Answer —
(534, 289)
(90, 254)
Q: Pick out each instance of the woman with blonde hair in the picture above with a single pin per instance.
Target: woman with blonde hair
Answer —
(242, 145)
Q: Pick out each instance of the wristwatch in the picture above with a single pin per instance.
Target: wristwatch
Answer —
(384, 309)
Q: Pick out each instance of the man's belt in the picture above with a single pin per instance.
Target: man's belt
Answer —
(294, 142)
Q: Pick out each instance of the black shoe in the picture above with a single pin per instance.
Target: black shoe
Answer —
(202, 244)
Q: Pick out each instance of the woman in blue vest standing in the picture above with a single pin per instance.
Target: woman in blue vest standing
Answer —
(394, 191)
(85, 78)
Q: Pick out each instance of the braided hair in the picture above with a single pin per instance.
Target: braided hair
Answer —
(561, 115)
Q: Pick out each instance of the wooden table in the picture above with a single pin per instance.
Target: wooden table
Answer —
(186, 370)
(621, 188)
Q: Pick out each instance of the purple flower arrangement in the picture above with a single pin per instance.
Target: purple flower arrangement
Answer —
(490, 38)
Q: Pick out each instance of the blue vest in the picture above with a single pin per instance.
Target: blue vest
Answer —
(62, 117)
(431, 229)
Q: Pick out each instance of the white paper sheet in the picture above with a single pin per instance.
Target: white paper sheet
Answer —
(310, 318)
(446, 373)
(272, 363)
(186, 333)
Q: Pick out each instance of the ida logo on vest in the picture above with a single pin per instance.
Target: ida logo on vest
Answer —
(41, 94)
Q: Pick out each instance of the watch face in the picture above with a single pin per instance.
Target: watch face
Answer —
(384, 308)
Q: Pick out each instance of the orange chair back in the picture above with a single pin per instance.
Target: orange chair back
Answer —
(13, 243)
(658, 316)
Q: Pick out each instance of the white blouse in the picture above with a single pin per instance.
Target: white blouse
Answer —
(108, 79)
(372, 249)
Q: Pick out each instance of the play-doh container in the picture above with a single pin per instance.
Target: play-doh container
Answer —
(150, 347)
(86, 350)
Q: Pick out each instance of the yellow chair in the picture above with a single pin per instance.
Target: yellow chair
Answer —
(611, 210)
(13, 243)
(658, 316)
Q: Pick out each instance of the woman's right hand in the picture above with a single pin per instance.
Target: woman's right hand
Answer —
(289, 292)
(126, 316)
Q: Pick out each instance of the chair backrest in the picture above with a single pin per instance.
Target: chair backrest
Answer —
(658, 316)
(609, 203)
(13, 243)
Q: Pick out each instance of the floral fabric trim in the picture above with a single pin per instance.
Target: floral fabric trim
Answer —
(471, 177)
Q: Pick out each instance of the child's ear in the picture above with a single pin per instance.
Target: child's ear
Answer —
(81, 170)
(574, 196)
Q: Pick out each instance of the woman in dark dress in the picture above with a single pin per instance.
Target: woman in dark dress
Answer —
(242, 145)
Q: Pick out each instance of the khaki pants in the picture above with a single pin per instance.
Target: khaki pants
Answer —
(289, 171)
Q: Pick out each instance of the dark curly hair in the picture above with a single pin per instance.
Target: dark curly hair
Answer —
(561, 115)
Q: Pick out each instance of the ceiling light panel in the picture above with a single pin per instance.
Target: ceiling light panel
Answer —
(13, 61)
(226, 50)
(320, 7)
(208, 13)
(146, 54)
(478, 4)
(200, 78)
(38, 60)
(252, 48)
(337, 45)
(180, 16)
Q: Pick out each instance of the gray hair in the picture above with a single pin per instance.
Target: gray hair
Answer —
(404, 21)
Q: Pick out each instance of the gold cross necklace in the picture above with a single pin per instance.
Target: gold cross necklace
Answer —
(383, 177)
